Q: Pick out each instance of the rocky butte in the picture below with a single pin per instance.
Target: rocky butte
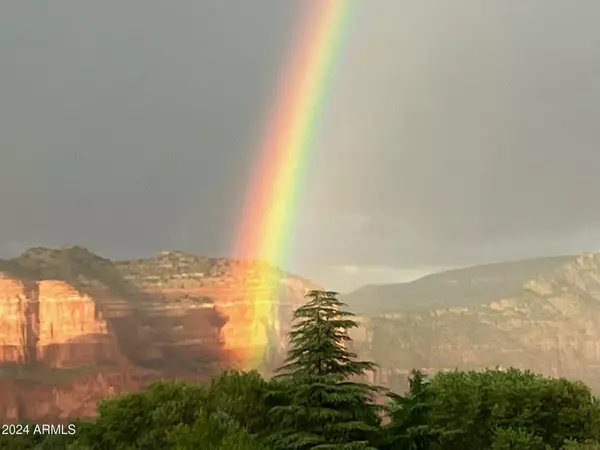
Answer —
(76, 328)
(540, 314)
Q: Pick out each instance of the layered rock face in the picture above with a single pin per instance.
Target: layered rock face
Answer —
(75, 327)
(542, 315)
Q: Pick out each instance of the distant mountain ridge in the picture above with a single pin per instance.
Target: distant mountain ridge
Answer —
(538, 314)
(454, 287)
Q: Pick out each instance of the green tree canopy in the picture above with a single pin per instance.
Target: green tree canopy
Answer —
(477, 410)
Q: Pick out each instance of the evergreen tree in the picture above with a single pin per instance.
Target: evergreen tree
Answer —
(326, 410)
(409, 428)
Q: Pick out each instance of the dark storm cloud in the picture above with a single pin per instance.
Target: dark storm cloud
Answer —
(462, 132)
(128, 126)
(456, 133)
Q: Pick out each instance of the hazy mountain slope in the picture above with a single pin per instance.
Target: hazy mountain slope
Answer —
(458, 287)
(542, 315)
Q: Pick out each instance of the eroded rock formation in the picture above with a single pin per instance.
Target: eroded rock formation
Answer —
(75, 327)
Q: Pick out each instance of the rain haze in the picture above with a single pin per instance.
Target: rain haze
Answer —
(455, 133)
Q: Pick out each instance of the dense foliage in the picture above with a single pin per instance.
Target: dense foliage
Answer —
(316, 401)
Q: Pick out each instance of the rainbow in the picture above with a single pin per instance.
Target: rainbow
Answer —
(268, 218)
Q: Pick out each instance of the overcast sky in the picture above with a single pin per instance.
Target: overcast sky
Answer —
(456, 132)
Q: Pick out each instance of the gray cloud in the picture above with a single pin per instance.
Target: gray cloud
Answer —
(129, 126)
(466, 132)
(456, 133)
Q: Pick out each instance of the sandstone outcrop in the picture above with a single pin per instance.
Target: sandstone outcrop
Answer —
(75, 327)
(542, 315)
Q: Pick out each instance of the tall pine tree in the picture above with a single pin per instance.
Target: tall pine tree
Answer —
(327, 410)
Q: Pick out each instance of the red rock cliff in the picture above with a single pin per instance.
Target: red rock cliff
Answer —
(75, 328)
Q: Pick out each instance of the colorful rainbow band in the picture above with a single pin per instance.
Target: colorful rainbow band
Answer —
(270, 208)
